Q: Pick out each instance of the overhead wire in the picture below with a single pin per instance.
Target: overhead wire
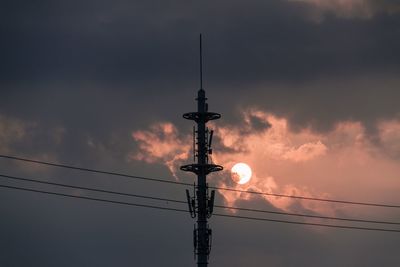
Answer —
(307, 198)
(93, 170)
(216, 214)
(308, 223)
(188, 184)
(185, 202)
(90, 198)
(307, 215)
(90, 189)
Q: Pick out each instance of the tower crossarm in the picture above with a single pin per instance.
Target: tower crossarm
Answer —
(202, 116)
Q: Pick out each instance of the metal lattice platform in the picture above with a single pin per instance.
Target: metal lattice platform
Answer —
(197, 168)
(197, 116)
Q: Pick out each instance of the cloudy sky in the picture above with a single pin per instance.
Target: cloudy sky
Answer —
(308, 91)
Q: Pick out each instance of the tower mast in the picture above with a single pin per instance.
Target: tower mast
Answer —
(201, 204)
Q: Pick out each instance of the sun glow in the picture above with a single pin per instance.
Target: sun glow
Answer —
(241, 173)
(295, 160)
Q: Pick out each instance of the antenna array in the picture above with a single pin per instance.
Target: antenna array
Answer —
(201, 205)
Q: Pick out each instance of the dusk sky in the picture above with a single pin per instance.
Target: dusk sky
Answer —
(309, 96)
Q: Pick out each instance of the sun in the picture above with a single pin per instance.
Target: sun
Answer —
(241, 173)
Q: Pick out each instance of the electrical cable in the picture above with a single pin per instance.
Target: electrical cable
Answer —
(91, 198)
(308, 198)
(217, 214)
(188, 184)
(91, 189)
(93, 170)
(185, 202)
(307, 215)
(306, 223)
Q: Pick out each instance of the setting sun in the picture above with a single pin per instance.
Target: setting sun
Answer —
(241, 173)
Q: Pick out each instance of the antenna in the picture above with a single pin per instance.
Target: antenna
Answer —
(210, 142)
(201, 205)
(201, 64)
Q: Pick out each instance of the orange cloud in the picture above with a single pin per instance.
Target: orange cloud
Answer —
(11, 131)
(15, 132)
(306, 151)
(353, 8)
(342, 163)
(389, 134)
(162, 142)
(274, 146)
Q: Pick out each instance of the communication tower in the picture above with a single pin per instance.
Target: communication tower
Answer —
(202, 203)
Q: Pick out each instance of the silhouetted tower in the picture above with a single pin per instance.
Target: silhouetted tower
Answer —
(201, 204)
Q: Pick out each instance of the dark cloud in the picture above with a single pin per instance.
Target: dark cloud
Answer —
(268, 49)
(88, 73)
(258, 125)
(133, 42)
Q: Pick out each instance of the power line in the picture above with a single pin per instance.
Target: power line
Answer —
(93, 170)
(308, 198)
(185, 202)
(216, 214)
(92, 198)
(306, 223)
(188, 184)
(91, 189)
(307, 215)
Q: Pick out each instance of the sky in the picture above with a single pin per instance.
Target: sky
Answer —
(308, 92)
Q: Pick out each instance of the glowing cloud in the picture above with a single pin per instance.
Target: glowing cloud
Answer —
(11, 131)
(16, 133)
(354, 8)
(301, 163)
(162, 142)
(306, 152)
